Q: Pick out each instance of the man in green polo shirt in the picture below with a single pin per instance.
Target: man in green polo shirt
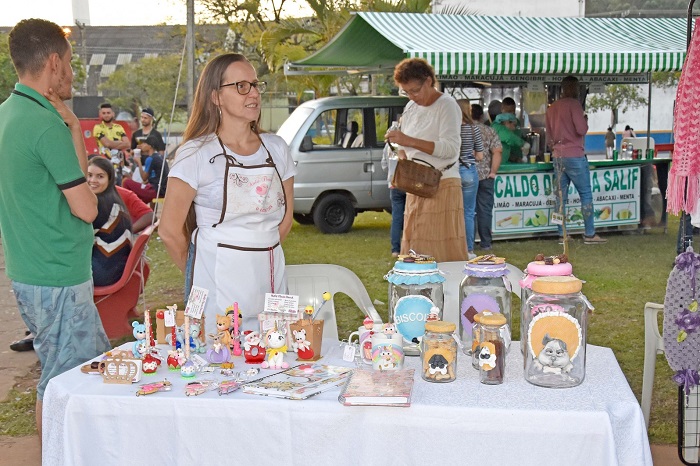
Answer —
(46, 206)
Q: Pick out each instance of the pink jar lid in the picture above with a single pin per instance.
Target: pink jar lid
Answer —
(539, 269)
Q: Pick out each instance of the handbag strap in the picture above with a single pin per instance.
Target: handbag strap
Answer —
(432, 166)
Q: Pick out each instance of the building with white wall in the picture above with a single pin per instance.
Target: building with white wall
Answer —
(550, 8)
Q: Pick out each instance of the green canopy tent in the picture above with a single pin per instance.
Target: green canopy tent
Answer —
(460, 46)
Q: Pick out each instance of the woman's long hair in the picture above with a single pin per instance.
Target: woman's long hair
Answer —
(107, 198)
(206, 116)
(466, 108)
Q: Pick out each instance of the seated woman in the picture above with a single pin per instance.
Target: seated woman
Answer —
(112, 225)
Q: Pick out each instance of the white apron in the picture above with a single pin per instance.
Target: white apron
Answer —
(238, 256)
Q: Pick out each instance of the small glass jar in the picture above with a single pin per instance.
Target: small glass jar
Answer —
(534, 270)
(492, 349)
(556, 320)
(415, 292)
(484, 288)
(439, 352)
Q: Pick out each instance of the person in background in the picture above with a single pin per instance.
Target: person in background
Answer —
(566, 129)
(509, 106)
(141, 214)
(495, 108)
(139, 136)
(470, 152)
(430, 128)
(609, 143)
(397, 197)
(112, 225)
(628, 132)
(111, 139)
(512, 144)
(46, 206)
(149, 165)
(230, 196)
(487, 168)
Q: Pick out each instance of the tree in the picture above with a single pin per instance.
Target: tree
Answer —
(149, 82)
(617, 97)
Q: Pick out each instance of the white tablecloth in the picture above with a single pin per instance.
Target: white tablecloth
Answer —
(87, 422)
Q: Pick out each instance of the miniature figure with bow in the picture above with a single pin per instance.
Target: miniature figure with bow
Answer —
(275, 341)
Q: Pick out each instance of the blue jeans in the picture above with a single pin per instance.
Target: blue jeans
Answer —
(575, 170)
(66, 326)
(398, 206)
(484, 211)
(189, 265)
(470, 185)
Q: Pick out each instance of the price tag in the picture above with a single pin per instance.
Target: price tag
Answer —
(281, 303)
(195, 305)
(169, 318)
(349, 353)
(268, 324)
(557, 219)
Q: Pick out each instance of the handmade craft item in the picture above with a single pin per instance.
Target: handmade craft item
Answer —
(223, 329)
(276, 345)
(154, 387)
(176, 358)
(236, 332)
(415, 291)
(556, 319)
(120, 369)
(439, 352)
(387, 351)
(140, 346)
(682, 321)
(542, 266)
(253, 348)
(492, 349)
(188, 369)
(485, 287)
(311, 332)
(199, 387)
(218, 352)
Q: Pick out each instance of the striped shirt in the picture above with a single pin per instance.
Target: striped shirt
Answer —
(471, 142)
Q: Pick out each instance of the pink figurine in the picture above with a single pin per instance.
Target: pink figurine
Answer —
(148, 388)
(219, 352)
(368, 323)
(302, 346)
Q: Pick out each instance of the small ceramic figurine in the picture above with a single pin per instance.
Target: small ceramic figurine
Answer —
(253, 350)
(223, 327)
(302, 346)
(196, 344)
(219, 352)
(368, 323)
(188, 369)
(276, 345)
(175, 359)
(140, 335)
(150, 364)
(388, 329)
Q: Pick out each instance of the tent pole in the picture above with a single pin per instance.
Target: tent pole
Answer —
(649, 113)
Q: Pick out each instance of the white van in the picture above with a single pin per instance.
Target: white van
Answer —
(336, 143)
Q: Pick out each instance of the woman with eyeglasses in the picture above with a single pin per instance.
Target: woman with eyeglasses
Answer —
(430, 132)
(228, 204)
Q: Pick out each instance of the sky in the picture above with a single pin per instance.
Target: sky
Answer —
(102, 12)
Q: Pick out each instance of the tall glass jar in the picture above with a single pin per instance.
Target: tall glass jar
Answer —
(439, 352)
(552, 266)
(484, 288)
(556, 320)
(492, 349)
(415, 292)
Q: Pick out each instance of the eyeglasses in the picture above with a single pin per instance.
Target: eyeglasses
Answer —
(410, 92)
(244, 87)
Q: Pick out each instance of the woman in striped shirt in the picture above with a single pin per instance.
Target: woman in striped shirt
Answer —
(471, 150)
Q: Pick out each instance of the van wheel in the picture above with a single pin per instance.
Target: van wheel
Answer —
(304, 219)
(334, 214)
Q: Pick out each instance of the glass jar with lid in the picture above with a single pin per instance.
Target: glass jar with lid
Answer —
(415, 292)
(556, 319)
(542, 266)
(439, 352)
(485, 287)
(492, 349)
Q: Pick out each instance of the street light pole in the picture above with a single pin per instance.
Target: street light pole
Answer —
(190, 55)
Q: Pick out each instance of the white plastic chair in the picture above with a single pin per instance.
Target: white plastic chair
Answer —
(454, 273)
(653, 345)
(310, 281)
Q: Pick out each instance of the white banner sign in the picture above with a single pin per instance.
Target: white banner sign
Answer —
(524, 202)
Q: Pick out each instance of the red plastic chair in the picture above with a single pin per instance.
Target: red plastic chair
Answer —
(117, 303)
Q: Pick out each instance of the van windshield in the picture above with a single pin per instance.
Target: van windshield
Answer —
(291, 125)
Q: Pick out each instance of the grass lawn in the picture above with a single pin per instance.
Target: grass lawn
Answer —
(621, 276)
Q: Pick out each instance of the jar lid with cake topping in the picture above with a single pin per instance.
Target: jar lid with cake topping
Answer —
(557, 285)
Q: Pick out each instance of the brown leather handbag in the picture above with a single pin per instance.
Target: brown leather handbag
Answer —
(421, 179)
